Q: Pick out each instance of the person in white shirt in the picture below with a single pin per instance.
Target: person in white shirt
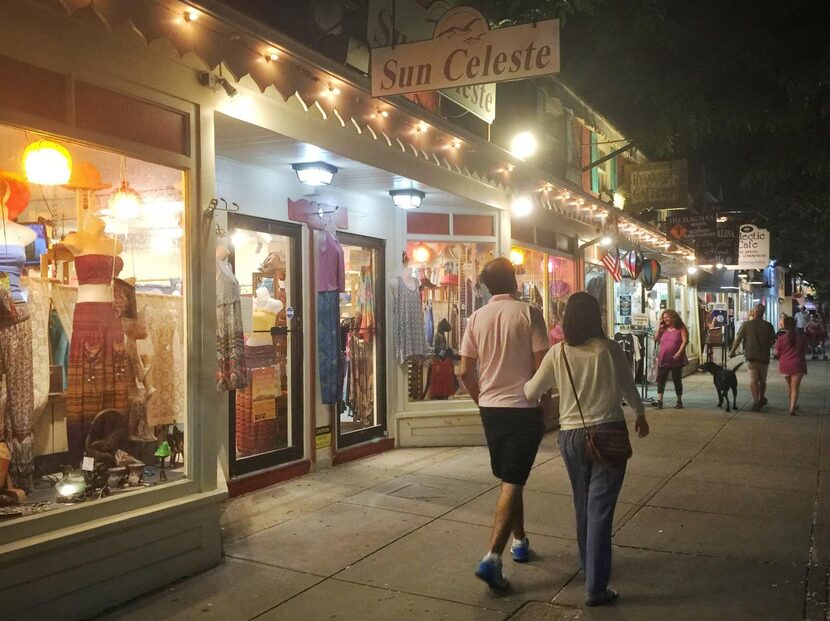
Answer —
(802, 318)
(602, 379)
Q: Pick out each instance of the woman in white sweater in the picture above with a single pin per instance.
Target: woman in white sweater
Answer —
(602, 379)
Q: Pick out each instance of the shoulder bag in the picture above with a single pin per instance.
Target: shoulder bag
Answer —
(606, 444)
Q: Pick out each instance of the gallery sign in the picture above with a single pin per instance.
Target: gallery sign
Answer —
(415, 21)
(753, 247)
(464, 52)
(660, 185)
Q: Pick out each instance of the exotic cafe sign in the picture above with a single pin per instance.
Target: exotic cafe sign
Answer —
(464, 52)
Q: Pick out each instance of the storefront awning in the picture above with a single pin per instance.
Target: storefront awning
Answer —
(720, 281)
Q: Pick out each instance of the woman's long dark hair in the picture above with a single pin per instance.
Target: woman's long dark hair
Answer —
(674, 319)
(789, 326)
(583, 320)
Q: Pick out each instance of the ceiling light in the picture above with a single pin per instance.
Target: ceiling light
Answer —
(315, 173)
(524, 145)
(409, 198)
(606, 241)
(421, 254)
(125, 203)
(692, 270)
(47, 163)
(521, 206)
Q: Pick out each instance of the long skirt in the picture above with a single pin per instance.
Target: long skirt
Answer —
(98, 373)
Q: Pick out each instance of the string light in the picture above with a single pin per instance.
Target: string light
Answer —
(271, 56)
(190, 16)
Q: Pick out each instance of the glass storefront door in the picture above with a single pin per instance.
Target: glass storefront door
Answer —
(361, 406)
(266, 421)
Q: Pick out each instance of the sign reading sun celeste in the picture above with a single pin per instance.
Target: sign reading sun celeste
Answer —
(464, 51)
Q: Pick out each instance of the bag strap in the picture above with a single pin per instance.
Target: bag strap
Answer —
(573, 387)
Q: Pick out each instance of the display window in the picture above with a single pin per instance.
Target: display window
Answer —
(361, 402)
(436, 292)
(93, 363)
(266, 394)
(596, 282)
(561, 273)
(530, 274)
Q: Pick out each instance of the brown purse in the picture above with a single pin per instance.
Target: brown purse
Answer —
(608, 445)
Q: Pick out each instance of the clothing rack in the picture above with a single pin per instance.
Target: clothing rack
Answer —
(213, 206)
(647, 334)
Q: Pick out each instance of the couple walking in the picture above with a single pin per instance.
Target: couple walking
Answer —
(506, 367)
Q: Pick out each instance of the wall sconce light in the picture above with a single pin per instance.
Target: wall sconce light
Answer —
(524, 145)
(407, 198)
(211, 81)
(315, 173)
(521, 206)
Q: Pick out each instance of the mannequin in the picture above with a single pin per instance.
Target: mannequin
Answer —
(266, 309)
(231, 366)
(16, 433)
(98, 360)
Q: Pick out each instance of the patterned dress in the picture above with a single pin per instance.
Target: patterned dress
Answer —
(409, 323)
(231, 368)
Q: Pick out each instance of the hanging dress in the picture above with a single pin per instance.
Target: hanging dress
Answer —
(409, 324)
(231, 368)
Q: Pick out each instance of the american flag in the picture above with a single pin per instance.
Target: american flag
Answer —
(611, 261)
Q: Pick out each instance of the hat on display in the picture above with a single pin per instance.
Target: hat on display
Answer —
(15, 194)
(86, 176)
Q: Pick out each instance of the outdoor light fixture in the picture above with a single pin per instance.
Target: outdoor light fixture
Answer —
(408, 198)
(521, 206)
(230, 91)
(719, 266)
(315, 173)
(606, 241)
(212, 81)
(692, 270)
(524, 145)
(619, 200)
(47, 163)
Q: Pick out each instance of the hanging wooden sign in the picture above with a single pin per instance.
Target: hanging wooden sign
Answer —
(464, 51)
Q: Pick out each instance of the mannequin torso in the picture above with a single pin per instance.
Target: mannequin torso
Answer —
(91, 241)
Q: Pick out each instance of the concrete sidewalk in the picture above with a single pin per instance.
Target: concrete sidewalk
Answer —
(722, 516)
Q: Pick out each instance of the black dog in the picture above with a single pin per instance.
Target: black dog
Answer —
(725, 380)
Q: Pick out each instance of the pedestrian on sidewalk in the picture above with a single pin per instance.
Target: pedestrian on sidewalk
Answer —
(590, 399)
(503, 345)
(758, 337)
(802, 318)
(816, 335)
(791, 349)
(672, 337)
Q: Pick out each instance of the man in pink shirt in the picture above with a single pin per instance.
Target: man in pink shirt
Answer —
(503, 345)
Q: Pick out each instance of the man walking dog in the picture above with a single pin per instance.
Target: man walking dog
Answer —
(758, 337)
(502, 347)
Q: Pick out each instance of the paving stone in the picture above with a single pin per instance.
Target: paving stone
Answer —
(544, 611)
(471, 464)
(776, 505)
(410, 459)
(545, 514)
(656, 585)
(233, 590)
(335, 599)
(767, 454)
(727, 536)
(439, 560)
(754, 475)
(420, 494)
(358, 474)
(246, 515)
(325, 541)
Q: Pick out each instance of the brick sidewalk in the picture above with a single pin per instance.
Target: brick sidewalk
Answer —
(721, 517)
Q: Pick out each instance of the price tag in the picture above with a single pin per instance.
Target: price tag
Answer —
(88, 464)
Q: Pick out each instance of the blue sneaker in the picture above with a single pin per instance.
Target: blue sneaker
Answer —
(490, 572)
(521, 551)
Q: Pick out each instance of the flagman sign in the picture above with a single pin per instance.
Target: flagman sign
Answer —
(753, 247)
(464, 51)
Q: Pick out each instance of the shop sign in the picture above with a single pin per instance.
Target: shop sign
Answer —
(322, 437)
(753, 247)
(660, 185)
(639, 320)
(415, 21)
(464, 52)
(713, 242)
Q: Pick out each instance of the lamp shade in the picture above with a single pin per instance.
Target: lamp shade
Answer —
(634, 262)
(315, 173)
(47, 163)
(14, 193)
(408, 198)
(651, 273)
(125, 203)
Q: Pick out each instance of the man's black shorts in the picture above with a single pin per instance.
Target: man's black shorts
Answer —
(513, 437)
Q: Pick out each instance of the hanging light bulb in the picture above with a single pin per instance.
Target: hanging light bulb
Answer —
(47, 163)
(517, 257)
(125, 202)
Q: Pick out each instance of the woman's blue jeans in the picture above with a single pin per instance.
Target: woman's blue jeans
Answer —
(596, 488)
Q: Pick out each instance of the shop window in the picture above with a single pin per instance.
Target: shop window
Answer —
(628, 300)
(92, 324)
(446, 277)
(596, 282)
(530, 275)
(561, 283)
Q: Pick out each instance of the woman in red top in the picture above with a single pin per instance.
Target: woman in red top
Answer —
(791, 350)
